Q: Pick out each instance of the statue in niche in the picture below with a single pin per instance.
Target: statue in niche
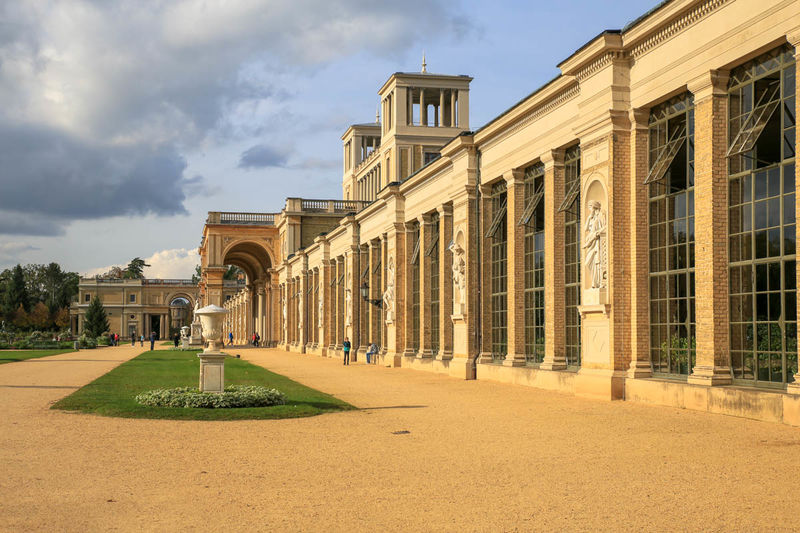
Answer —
(595, 245)
(320, 308)
(348, 300)
(299, 310)
(348, 308)
(285, 308)
(388, 294)
(459, 276)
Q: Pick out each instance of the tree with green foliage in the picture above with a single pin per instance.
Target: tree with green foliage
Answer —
(40, 316)
(198, 274)
(135, 269)
(16, 293)
(232, 273)
(96, 321)
(20, 318)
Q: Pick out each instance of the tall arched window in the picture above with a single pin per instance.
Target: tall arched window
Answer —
(671, 182)
(433, 262)
(763, 294)
(571, 206)
(533, 221)
(415, 273)
(498, 254)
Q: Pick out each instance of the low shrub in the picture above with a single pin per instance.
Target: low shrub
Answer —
(23, 344)
(4, 345)
(65, 344)
(87, 342)
(233, 396)
(102, 340)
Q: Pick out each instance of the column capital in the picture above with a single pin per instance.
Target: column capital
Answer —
(710, 83)
(425, 219)
(514, 177)
(639, 118)
(793, 36)
(445, 210)
(553, 158)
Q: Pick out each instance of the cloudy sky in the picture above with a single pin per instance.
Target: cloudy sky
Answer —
(122, 123)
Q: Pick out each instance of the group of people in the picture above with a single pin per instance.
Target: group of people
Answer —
(113, 339)
(255, 339)
(372, 351)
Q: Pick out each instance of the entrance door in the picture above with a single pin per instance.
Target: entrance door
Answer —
(155, 325)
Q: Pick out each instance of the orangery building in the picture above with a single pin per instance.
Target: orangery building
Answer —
(626, 231)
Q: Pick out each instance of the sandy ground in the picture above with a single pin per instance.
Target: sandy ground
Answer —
(479, 456)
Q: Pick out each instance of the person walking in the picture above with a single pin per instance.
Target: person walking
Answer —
(176, 339)
(258, 339)
(346, 347)
(133, 338)
(141, 340)
(152, 340)
(230, 338)
(372, 351)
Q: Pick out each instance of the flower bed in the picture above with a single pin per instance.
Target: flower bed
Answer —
(232, 397)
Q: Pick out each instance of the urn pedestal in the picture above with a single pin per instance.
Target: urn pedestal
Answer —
(212, 361)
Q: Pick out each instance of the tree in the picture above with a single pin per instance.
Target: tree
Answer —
(16, 293)
(198, 274)
(62, 317)
(135, 269)
(40, 316)
(232, 272)
(96, 321)
(20, 318)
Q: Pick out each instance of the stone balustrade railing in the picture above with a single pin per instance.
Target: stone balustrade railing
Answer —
(240, 218)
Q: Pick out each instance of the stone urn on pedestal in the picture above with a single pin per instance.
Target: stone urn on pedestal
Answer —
(212, 361)
(185, 337)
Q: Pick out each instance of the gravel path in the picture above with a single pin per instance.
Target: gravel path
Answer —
(477, 456)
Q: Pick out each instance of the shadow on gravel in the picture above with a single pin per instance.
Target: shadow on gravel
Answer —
(393, 407)
(39, 361)
(39, 387)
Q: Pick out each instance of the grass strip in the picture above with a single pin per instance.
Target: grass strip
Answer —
(13, 356)
(113, 394)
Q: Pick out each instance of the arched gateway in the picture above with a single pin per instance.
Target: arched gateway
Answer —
(245, 240)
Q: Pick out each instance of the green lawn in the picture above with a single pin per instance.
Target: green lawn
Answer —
(13, 356)
(113, 394)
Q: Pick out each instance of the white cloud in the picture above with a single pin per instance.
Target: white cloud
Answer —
(176, 263)
(11, 252)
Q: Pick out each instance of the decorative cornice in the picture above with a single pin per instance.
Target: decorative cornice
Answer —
(598, 64)
(542, 109)
(676, 26)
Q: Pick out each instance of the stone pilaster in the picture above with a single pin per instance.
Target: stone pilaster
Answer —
(394, 250)
(302, 326)
(326, 291)
(515, 201)
(339, 287)
(639, 263)
(426, 238)
(486, 276)
(711, 229)
(445, 282)
(554, 309)
(359, 303)
(353, 268)
(794, 39)
(408, 310)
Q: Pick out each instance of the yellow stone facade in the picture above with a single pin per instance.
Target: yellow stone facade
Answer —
(137, 306)
(627, 231)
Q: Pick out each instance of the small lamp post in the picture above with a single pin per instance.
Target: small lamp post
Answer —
(364, 289)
